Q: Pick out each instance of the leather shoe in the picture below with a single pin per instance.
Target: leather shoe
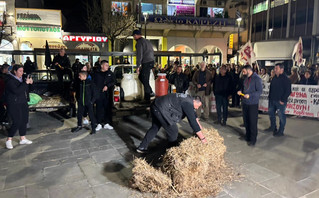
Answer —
(270, 130)
(76, 129)
(92, 132)
(278, 134)
(251, 143)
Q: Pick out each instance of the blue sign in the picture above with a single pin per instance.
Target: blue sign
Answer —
(190, 20)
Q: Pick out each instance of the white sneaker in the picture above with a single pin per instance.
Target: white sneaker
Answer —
(107, 126)
(25, 141)
(99, 127)
(9, 144)
(85, 121)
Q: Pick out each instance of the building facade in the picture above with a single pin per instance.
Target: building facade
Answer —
(279, 23)
(189, 26)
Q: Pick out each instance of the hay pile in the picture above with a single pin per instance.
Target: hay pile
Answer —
(193, 168)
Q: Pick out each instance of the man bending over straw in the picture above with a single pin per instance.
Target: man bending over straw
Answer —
(166, 112)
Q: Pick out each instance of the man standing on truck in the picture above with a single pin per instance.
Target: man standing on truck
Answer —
(62, 66)
(145, 62)
(104, 81)
(166, 112)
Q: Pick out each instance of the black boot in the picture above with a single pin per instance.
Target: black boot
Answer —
(93, 132)
(76, 129)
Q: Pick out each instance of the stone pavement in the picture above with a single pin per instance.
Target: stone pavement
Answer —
(60, 164)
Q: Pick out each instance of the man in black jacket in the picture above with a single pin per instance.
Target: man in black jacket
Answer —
(29, 66)
(86, 98)
(104, 81)
(279, 91)
(166, 112)
(144, 61)
(63, 66)
(180, 80)
(222, 90)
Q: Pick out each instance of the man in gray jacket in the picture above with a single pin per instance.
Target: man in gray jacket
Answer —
(144, 61)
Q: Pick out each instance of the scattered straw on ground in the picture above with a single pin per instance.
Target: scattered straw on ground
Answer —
(192, 169)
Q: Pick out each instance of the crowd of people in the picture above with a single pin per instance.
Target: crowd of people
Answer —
(92, 89)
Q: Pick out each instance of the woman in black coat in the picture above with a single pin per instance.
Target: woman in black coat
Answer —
(17, 104)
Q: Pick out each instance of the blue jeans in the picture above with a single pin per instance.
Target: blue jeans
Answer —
(272, 108)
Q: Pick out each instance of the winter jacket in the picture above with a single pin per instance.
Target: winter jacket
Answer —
(309, 81)
(144, 51)
(102, 79)
(222, 85)
(280, 88)
(64, 61)
(208, 80)
(16, 92)
(253, 86)
(175, 107)
(87, 92)
(180, 81)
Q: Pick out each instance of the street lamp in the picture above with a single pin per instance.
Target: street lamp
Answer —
(145, 14)
(239, 19)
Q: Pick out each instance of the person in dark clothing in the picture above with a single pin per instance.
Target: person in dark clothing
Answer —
(251, 91)
(279, 91)
(3, 76)
(307, 79)
(29, 66)
(76, 68)
(145, 62)
(202, 79)
(180, 80)
(104, 82)
(222, 90)
(86, 99)
(236, 86)
(166, 112)
(16, 92)
(63, 66)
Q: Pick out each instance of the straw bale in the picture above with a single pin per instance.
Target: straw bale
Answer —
(148, 179)
(195, 169)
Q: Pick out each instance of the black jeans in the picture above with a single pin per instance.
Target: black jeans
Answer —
(19, 114)
(82, 110)
(158, 122)
(145, 79)
(104, 109)
(221, 102)
(250, 115)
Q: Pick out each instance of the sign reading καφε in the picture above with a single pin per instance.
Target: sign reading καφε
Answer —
(47, 17)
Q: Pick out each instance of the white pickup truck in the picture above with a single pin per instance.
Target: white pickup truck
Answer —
(128, 90)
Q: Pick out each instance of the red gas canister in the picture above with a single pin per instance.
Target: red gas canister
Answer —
(161, 85)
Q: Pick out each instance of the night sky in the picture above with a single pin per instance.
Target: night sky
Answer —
(73, 11)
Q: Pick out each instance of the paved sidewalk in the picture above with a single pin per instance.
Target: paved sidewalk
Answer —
(61, 164)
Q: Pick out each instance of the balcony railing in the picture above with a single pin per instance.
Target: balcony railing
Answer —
(188, 20)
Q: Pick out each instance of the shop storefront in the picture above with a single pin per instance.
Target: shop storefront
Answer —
(86, 43)
(34, 28)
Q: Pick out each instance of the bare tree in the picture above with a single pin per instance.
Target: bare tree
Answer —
(118, 27)
(94, 18)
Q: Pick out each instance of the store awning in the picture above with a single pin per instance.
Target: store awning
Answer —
(274, 50)
(40, 43)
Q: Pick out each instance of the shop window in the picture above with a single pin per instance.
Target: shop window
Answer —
(123, 8)
(2, 11)
(215, 12)
(151, 8)
(181, 8)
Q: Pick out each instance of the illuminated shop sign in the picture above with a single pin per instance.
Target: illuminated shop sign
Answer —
(43, 17)
(38, 29)
(191, 20)
(102, 39)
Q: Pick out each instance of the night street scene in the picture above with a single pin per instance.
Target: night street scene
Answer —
(159, 98)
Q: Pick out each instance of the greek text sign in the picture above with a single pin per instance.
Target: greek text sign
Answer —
(85, 38)
(303, 101)
(38, 16)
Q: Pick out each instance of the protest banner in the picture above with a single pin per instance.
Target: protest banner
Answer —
(303, 100)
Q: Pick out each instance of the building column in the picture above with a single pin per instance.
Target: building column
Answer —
(267, 20)
(134, 50)
(110, 50)
(164, 48)
(288, 19)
